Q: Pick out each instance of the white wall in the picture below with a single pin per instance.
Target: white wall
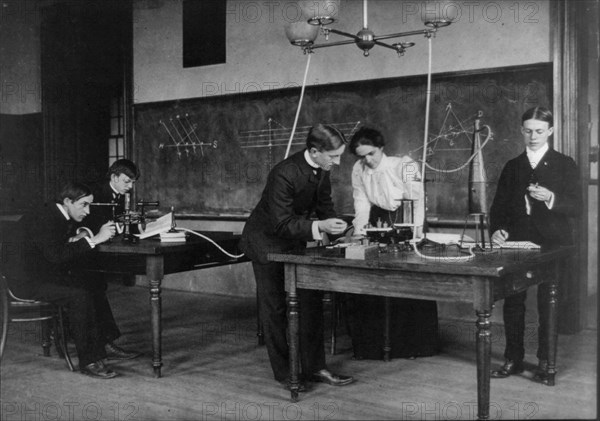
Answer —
(486, 34)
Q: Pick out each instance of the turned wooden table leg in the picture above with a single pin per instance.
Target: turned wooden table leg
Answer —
(154, 273)
(484, 352)
(552, 331)
(294, 328)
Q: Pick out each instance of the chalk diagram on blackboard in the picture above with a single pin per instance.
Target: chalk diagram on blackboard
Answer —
(278, 135)
(454, 137)
(182, 133)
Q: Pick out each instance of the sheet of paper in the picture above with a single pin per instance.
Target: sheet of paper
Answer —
(162, 224)
(519, 245)
(444, 238)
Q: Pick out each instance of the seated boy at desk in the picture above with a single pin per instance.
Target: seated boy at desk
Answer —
(122, 174)
(48, 272)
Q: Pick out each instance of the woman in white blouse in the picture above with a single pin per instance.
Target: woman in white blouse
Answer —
(379, 183)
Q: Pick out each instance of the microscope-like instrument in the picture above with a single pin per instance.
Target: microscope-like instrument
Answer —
(129, 217)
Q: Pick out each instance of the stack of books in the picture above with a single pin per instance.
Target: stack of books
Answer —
(172, 237)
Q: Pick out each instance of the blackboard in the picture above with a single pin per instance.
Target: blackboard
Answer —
(228, 180)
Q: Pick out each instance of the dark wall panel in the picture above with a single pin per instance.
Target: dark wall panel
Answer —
(21, 161)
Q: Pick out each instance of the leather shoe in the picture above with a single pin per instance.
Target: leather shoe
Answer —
(326, 376)
(541, 373)
(509, 368)
(287, 386)
(98, 370)
(114, 352)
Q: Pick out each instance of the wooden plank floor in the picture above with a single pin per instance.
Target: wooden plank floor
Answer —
(215, 370)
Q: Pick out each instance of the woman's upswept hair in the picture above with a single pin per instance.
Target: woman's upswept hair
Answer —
(366, 136)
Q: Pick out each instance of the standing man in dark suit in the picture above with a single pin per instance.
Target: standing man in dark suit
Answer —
(537, 193)
(296, 187)
(47, 271)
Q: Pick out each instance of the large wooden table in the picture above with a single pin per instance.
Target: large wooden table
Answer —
(154, 259)
(481, 281)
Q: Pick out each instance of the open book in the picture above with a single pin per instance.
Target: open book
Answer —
(162, 224)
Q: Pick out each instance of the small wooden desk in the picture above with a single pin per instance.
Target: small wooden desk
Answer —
(154, 259)
(481, 281)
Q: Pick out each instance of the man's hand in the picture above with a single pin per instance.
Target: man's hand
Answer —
(333, 226)
(539, 192)
(107, 231)
(499, 237)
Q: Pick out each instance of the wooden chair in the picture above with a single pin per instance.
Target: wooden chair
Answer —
(14, 310)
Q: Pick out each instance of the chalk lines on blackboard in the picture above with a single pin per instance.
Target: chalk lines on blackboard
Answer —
(278, 135)
(451, 137)
(182, 132)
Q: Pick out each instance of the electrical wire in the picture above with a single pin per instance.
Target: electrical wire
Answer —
(471, 255)
(287, 151)
(426, 134)
(234, 256)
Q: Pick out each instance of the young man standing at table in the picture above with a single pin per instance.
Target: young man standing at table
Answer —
(537, 193)
(296, 187)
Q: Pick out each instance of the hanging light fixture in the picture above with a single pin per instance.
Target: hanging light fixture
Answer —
(435, 15)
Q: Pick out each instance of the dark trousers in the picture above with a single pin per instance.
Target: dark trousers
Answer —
(514, 318)
(81, 307)
(104, 318)
(514, 324)
(270, 288)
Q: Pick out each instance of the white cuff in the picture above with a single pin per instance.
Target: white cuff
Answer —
(315, 231)
(527, 204)
(90, 242)
(550, 202)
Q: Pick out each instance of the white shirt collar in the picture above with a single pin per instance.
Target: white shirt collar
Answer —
(63, 211)
(535, 156)
(113, 189)
(309, 160)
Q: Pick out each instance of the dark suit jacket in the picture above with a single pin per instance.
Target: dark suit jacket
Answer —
(46, 255)
(556, 172)
(281, 220)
